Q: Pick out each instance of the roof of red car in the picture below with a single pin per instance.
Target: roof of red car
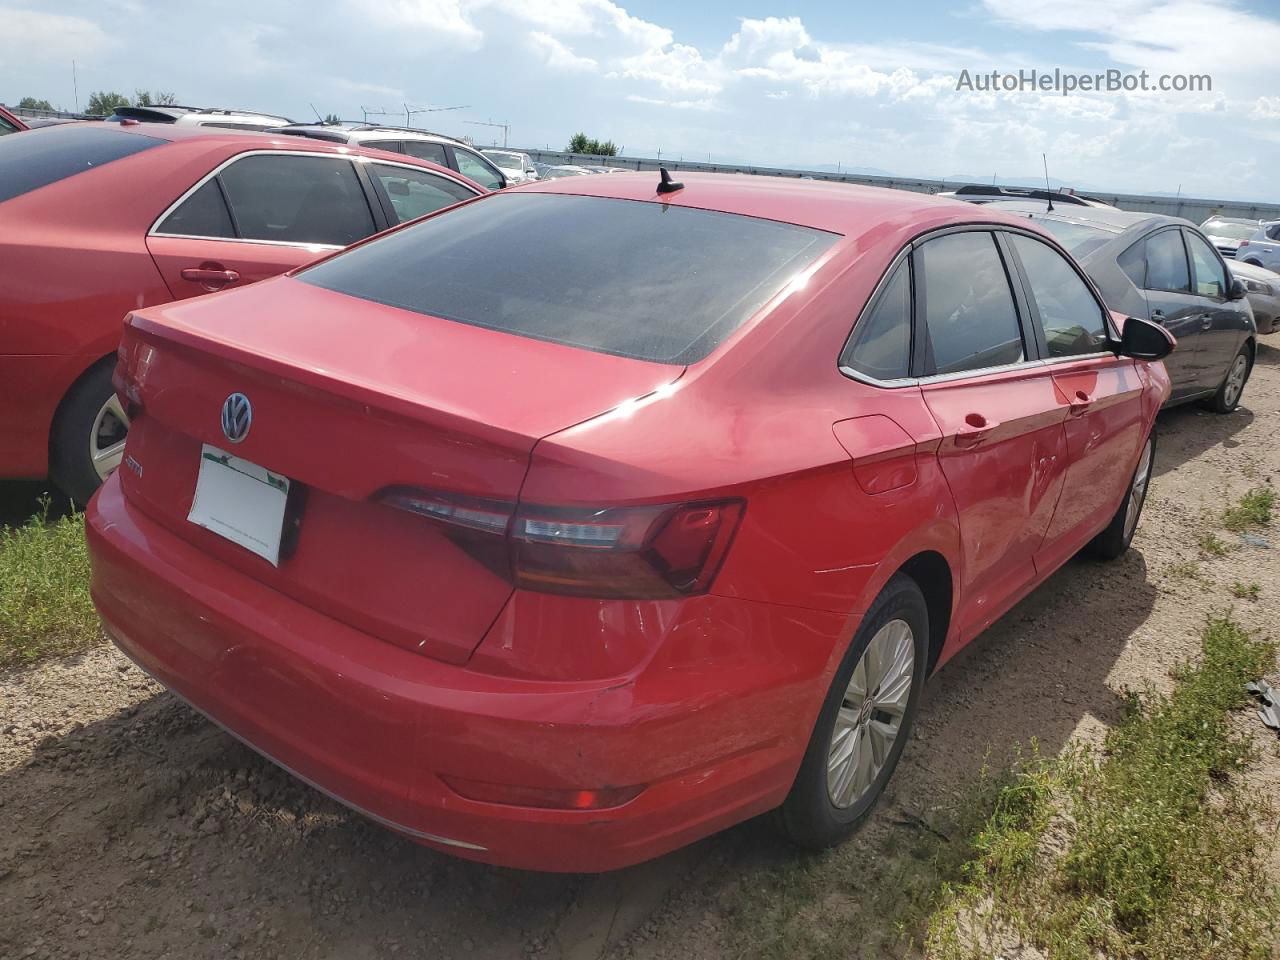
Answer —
(844, 208)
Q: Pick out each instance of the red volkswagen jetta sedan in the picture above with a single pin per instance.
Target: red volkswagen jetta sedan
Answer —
(571, 524)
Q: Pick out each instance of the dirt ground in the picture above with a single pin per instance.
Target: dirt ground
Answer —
(133, 827)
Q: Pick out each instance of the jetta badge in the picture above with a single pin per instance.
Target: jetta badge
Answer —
(237, 417)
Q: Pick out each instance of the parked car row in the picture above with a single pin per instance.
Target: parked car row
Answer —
(569, 563)
(1164, 270)
(99, 218)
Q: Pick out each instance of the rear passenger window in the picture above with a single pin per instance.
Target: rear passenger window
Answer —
(297, 200)
(970, 318)
(1211, 279)
(203, 214)
(392, 146)
(1167, 263)
(426, 151)
(881, 346)
(1069, 314)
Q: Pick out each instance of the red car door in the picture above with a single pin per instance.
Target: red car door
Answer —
(257, 216)
(1003, 450)
(1101, 392)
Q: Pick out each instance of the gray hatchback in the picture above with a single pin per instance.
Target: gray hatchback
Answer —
(1164, 270)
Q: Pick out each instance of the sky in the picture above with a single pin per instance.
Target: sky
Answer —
(865, 85)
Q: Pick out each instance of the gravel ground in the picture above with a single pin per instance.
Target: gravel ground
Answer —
(136, 828)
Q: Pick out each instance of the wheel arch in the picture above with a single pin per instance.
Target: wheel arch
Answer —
(932, 574)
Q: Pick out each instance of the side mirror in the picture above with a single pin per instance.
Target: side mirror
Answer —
(1237, 289)
(1144, 340)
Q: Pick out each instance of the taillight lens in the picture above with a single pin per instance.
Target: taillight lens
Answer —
(132, 362)
(644, 552)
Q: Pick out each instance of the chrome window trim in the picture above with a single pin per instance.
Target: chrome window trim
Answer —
(971, 374)
(154, 229)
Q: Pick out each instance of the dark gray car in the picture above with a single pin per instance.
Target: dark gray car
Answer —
(1164, 270)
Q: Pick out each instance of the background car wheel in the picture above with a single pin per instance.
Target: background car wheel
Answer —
(1228, 396)
(1115, 539)
(88, 436)
(865, 720)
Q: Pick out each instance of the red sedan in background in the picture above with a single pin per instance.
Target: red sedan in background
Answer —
(657, 527)
(10, 123)
(97, 219)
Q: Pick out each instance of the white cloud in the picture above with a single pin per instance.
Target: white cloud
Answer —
(37, 35)
(557, 56)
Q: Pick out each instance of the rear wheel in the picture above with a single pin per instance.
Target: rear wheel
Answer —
(865, 720)
(1232, 389)
(88, 436)
(1115, 539)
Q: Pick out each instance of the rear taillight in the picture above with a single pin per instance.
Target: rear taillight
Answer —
(644, 552)
(133, 360)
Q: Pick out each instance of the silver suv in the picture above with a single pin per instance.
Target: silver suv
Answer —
(1263, 248)
(446, 151)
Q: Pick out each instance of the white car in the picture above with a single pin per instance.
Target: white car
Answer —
(436, 147)
(1263, 248)
(518, 167)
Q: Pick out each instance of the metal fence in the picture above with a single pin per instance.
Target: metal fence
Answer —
(1191, 208)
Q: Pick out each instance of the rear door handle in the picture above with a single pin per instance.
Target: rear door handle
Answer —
(209, 275)
(974, 428)
(1157, 316)
(1206, 322)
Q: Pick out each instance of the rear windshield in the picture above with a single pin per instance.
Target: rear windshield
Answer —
(637, 279)
(1076, 237)
(45, 155)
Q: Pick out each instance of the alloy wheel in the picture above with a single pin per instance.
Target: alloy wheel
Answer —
(106, 437)
(1235, 380)
(870, 717)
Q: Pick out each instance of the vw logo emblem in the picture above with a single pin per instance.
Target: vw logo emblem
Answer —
(237, 417)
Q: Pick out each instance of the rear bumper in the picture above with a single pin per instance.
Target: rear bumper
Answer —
(375, 725)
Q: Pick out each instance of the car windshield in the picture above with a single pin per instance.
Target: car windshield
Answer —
(1079, 238)
(538, 265)
(507, 161)
(1232, 231)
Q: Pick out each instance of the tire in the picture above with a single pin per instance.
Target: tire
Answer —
(811, 817)
(88, 435)
(1233, 383)
(1115, 539)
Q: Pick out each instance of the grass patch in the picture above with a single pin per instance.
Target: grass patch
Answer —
(1253, 510)
(1146, 850)
(870, 896)
(1184, 570)
(44, 589)
(1245, 591)
(1212, 545)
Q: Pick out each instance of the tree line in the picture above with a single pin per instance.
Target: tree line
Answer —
(102, 103)
(579, 143)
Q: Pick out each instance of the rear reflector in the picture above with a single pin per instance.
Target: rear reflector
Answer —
(598, 799)
(644, 552)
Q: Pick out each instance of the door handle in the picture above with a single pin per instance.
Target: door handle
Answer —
(1157, 316)
(974, 428)
(1206, 322)
(1080, 405)
(210, 274)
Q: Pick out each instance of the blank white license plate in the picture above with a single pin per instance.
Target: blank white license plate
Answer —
(241, 501)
